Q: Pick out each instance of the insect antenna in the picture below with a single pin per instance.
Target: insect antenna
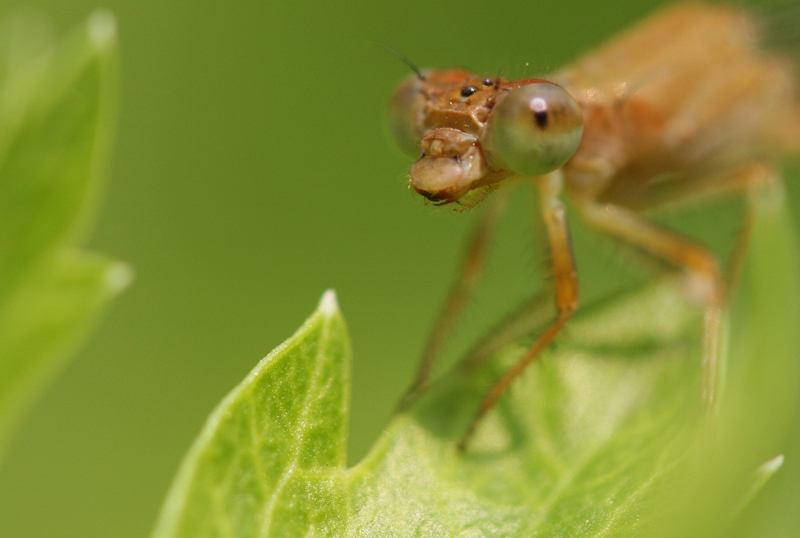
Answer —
(498, 78)
(403, 59)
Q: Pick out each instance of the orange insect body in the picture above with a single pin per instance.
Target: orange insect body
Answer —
(689, 93)
(683, 106)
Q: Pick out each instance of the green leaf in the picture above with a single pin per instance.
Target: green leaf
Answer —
(270, 459)
(604, 436)
(57, 109)
(573, 449)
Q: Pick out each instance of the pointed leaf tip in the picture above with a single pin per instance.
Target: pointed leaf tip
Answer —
(102, 27)
(119, 276)
(764, 472)
(769, 467)
(328, 306)
(270, 460)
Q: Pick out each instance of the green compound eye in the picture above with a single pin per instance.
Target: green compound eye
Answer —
(405, 115)
(534, 130)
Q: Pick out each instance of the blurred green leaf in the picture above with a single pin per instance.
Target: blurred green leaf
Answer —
(757, 412)
(57, 105)
(603, 437)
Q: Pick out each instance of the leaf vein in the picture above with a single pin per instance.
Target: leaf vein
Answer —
(269, 509)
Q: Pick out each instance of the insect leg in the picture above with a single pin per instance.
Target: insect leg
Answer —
(566, 290)
(469, 271)
(699, 263)
(750, 182)
(754, 183)
(526, 320)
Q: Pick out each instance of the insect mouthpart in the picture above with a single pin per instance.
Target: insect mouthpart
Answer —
(452, 163)
(437, 178)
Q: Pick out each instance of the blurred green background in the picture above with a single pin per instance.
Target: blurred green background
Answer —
(252, 171)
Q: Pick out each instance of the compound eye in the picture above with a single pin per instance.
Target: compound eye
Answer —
(406, 115)
(534, 130)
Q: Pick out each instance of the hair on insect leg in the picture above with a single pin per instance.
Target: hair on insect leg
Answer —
(525, 319)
